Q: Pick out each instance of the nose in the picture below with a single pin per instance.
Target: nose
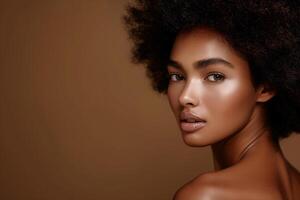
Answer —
(189, 95)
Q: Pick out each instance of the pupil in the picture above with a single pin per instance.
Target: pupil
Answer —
(218, 76)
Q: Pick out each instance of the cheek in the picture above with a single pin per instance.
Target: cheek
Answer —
(230, 102)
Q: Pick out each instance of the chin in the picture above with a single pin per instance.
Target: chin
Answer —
(193, 141)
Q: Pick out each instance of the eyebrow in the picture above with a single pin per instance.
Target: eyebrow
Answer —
(200, 64)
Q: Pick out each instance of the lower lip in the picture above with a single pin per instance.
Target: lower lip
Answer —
(191, 127)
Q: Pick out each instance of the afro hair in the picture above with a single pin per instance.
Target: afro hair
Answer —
(264, 32)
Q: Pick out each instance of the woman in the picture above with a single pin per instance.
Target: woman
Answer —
(231, 73)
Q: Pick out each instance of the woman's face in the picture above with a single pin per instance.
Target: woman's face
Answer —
(210, 80)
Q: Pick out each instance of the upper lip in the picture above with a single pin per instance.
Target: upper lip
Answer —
(185, 115)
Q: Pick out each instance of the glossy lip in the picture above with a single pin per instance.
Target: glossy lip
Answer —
(189, 127)
(189, 115)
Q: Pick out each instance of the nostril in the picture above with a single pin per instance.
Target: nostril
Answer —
(187, 101)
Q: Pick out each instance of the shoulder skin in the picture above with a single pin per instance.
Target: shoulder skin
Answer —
(201, 188)
(213, 186)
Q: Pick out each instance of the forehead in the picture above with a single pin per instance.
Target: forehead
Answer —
(203, 43)
(199, 40)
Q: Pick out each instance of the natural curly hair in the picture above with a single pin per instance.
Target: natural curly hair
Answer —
(264, 32)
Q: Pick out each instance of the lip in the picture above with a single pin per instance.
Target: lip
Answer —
(190, 127)
(185, 115)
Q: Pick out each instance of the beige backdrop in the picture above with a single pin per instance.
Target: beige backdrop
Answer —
(78, 120)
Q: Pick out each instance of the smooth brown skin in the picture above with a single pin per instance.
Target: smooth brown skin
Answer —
(248, 163)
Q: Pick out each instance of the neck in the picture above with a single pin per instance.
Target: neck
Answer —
(240, 145)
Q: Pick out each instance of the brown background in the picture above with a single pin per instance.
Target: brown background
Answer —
(77, 119)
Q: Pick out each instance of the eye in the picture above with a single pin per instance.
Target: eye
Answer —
(175, 77)
(214, 77)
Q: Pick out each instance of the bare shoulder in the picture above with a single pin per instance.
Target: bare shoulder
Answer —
(226, 185)
(211, 186)
(201, 187)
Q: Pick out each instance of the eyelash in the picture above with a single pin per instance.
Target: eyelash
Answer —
(171, 74)
(221, 76)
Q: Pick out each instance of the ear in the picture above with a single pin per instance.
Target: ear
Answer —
(264, 93)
